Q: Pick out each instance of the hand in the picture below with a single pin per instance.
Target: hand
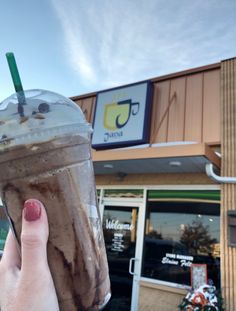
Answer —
(25, 281)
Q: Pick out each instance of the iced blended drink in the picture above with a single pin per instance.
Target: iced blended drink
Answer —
(45, 154)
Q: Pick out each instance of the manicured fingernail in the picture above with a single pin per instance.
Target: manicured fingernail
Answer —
(32, 210)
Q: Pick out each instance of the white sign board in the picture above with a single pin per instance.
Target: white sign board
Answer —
(122, 116)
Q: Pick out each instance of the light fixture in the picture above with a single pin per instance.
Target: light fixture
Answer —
(108, 166)
(175, 163)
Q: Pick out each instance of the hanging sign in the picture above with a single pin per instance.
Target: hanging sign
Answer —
(118, 242)
(122, 116)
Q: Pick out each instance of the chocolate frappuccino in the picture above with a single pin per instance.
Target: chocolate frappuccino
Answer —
(45, 154)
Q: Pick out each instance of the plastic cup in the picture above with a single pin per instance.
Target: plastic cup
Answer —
(46, 154)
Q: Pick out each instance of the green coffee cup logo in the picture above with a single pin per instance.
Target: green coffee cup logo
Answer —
(117, 115)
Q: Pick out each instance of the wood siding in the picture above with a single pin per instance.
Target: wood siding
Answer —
(87, 105)
(185, 107)
(154, 179)
(228, 121)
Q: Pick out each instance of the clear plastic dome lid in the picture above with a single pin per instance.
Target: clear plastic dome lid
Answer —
(38, 116)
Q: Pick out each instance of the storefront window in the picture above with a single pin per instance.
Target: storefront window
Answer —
(179, 233)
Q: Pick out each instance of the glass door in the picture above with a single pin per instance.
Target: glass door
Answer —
(120, 227)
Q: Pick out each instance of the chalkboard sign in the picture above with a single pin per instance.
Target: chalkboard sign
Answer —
(198, 275)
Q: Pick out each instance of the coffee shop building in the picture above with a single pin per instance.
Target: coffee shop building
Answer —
(164, 154)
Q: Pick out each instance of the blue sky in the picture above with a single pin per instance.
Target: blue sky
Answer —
(78, 46)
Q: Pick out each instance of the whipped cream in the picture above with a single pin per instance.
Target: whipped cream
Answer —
(44, 116)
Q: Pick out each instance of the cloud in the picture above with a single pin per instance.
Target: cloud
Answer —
(114, 42)
(75, 45)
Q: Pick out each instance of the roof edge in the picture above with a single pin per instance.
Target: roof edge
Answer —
(157, 79)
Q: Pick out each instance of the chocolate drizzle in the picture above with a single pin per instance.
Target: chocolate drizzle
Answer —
(76, 258)
(14, 216)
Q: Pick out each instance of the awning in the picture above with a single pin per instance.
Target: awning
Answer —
(186, 158)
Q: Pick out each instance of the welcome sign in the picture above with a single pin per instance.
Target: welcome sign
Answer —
(122, 116)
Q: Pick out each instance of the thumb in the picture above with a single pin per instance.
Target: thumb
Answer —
(34, 236)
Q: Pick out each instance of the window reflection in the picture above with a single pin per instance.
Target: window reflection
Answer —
(120, 230)
(178, 234)
(118, 223)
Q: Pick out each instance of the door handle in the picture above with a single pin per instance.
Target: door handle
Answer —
(130, 265)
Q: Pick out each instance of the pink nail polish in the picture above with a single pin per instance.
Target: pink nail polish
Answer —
(32, 210)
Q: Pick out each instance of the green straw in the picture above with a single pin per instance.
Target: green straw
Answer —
(14, 72)
(17, 82)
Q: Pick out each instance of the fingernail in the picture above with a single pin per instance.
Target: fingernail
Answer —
(32, 210)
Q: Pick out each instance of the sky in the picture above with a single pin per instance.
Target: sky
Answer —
(74, 47)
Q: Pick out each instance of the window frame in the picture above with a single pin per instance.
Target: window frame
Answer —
(176, 188)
